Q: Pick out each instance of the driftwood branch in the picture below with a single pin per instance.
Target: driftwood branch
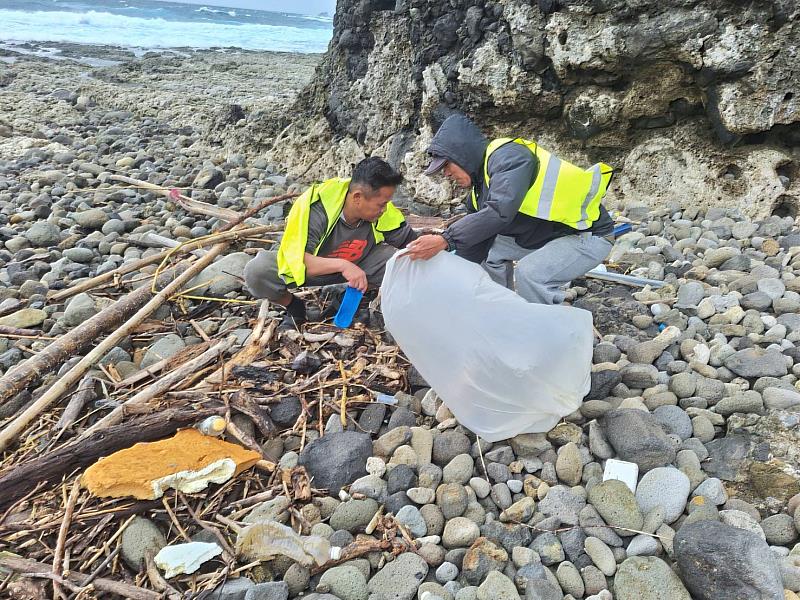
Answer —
(195, 206)
(61, 542)
(8, 330)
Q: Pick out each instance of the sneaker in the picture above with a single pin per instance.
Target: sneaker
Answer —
(331, 299)
(362, 315)
(290, 323)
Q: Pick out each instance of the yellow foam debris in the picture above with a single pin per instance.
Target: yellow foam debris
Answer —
(188, 462)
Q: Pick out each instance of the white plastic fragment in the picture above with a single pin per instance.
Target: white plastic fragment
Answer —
(267, 539)
(185, 558)
(385, 399)
(191, 482)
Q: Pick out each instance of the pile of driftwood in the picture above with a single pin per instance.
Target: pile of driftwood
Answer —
(56, 540)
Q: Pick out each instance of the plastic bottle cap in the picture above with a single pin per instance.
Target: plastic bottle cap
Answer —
(336, 553)
(217, 424)
(212, 425)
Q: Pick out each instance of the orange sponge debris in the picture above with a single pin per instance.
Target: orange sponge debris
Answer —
(188, 461)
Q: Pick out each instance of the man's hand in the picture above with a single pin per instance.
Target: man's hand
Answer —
(426, 246)
(355, 276)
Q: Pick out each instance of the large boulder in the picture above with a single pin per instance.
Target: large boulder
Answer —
(638, 437)
(719, 561)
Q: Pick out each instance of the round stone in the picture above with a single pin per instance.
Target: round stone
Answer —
(480, 486)
(601, 555)
(421, 495)
(712, 490)
(666, 487)
(447, 571)
(411, 518)
(515, 485)
(458, 470)
(345, 582)
(643, 545)
(780, 530)
(673, 419)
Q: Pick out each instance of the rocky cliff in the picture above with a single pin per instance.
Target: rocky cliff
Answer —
(694, 102)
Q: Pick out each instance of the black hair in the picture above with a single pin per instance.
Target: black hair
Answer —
(375, 173)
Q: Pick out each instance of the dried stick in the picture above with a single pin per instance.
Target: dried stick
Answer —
(25, 566)
(160, 386)
(254, 499)
(246, 355)
(58, 555)
(17, 332)
(157, 581)
(82, 395)
(354, 550)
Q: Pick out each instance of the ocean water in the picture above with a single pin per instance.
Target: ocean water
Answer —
(151, 24)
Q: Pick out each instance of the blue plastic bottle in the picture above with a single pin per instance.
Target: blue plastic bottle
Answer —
(348, 307)
(622, 229)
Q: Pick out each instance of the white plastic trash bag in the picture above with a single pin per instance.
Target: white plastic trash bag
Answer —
(502, 365)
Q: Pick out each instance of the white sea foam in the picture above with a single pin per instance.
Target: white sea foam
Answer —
(98, 27)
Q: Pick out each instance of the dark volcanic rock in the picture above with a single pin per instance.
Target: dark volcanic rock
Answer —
(637, 437)
(719, 561)
(337, 459)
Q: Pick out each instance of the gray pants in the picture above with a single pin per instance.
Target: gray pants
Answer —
(262, 279)
(541, 273)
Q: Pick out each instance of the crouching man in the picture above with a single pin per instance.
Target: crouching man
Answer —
(338, 231)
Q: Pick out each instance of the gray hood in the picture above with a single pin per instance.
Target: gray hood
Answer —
(460, 141)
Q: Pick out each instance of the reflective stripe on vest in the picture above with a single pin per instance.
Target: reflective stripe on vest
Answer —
(561, 192)
(332, 193)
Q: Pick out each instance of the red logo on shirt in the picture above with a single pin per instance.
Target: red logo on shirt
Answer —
(350, 250)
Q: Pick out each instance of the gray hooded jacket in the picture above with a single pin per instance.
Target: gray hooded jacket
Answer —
(512, 169)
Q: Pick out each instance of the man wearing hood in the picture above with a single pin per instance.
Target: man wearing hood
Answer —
(525, 205)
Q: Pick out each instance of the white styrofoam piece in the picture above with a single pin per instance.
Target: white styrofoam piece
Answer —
(626, 472)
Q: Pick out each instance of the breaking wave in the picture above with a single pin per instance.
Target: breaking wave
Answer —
(101, 27)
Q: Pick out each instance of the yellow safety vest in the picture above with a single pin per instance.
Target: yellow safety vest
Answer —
(332, 194)
(561, 192)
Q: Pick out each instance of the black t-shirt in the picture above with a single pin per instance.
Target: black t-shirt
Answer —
(349, 242)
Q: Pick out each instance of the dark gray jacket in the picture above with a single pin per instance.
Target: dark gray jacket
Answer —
(512, 169)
